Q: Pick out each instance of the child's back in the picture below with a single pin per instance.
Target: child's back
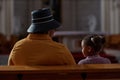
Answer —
(94, 60)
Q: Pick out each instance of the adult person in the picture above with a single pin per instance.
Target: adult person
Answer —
(38, 48)
(91, 46)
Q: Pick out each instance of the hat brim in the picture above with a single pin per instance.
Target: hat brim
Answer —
(43, 27)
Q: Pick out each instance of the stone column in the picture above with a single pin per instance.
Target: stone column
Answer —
(69, 14)
(110, 16)
(7, 17)
(105, 16)
(117, 16)
(114, 17)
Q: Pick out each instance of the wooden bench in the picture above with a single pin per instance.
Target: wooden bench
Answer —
(76, 72)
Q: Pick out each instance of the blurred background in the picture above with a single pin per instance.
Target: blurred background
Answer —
(78, 18)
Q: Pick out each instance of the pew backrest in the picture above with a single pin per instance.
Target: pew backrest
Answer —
(74, 72)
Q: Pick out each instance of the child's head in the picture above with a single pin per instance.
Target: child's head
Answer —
(92, 44)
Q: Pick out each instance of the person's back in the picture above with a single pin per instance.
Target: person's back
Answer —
(91, 46)
(38, 48)
(94, 60)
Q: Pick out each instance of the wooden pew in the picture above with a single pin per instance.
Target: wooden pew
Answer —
(76, 72)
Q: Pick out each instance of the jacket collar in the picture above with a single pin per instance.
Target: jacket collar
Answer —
(39, 36)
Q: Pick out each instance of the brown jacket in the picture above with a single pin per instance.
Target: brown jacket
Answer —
(39, 49)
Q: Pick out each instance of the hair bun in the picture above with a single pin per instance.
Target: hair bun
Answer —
(102, 39)
(97, 40)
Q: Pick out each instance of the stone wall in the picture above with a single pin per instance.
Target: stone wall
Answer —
(78, 15)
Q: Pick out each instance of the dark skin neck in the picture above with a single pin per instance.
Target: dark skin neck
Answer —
(92, 52)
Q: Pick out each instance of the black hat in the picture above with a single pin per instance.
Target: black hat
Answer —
(42, 20)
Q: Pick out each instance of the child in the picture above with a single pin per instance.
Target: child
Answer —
(91, 46)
